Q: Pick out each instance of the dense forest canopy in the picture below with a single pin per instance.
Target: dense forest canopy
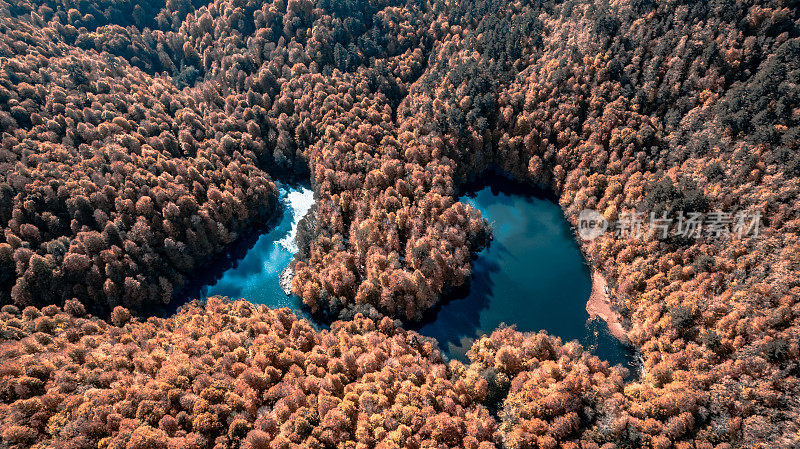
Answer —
(138, 139)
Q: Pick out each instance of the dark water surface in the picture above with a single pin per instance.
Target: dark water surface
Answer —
(532, 275)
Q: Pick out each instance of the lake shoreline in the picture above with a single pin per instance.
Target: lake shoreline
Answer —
(599, 306)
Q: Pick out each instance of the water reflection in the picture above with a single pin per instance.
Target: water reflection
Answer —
(532, 275)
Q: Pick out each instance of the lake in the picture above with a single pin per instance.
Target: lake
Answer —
(532, 275)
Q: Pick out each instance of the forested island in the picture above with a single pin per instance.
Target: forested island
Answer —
(141, 140)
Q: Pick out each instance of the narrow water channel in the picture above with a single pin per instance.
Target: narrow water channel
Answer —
(256, 276)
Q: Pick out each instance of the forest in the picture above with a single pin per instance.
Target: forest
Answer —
(140, 139)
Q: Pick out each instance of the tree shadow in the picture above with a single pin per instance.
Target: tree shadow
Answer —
(501, 183)
(457, 316)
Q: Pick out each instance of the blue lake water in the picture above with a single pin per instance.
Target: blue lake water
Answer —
(256, 276)
(532, 275)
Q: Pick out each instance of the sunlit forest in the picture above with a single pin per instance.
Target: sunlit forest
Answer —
(141, 140)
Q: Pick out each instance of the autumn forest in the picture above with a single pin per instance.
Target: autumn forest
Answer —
(139, 140)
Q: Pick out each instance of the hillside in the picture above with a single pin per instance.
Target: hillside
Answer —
(139, 140)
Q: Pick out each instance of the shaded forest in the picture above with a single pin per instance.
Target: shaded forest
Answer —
(139, 139)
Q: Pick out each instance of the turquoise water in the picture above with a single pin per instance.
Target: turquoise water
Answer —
(532, 275)
(255, 276)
